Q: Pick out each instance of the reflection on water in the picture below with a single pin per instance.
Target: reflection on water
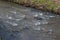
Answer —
(23, 23)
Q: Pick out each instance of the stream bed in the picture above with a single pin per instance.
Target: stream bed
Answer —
(25, 23)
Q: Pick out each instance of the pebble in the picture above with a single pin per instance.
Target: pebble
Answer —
(38, 23)
(9, 17)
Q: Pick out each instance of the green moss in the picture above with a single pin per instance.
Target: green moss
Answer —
(50, 5)
(0, 38)
(43, 1)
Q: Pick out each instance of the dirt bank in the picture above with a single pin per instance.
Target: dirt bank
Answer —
(46, 5)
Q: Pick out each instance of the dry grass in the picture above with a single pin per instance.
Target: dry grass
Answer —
(50, 5)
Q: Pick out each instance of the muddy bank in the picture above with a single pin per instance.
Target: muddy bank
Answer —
(46, 5)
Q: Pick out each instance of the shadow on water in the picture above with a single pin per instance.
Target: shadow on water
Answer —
(24, 23)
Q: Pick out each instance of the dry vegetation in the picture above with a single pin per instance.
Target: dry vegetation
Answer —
(48, 5)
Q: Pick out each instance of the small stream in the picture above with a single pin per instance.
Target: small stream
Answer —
(25, 23)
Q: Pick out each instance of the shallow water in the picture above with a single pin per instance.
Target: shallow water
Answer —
(24, 23)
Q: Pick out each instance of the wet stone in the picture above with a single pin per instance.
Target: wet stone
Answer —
(38, 25)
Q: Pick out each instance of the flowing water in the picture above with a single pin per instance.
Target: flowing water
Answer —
(24, 23)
